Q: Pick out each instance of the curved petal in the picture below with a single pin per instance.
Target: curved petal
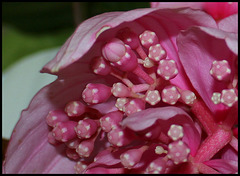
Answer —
(165, 116)
(30, 134)
(97, 30)
(198, 48)
(218, 10)
(223, 166)
(194, 5)
(229, 24)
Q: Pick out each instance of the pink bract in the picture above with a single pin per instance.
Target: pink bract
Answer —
(192, 39)
(218, 10)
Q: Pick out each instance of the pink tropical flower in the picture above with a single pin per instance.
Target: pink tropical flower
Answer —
(134, 95)
(218, 10)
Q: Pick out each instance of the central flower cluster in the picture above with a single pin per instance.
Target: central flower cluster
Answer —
(144, 71)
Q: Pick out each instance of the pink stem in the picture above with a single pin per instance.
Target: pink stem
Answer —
(204, 115)
(142, 74)
(212, 144)
(141, 52)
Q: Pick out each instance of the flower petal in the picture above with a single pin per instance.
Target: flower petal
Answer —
(94, 32)
(165, 116)
(30, 134)
(229, 24)
(223, 166)
(198, 48)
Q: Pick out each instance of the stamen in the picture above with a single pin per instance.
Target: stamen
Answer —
(160, 150)
(157, 166)
(147, 63)
(133, 106)
(216, 98)
(110, 120)
(129, 38)
(114, 50)
(229, 97)
(75, 108)
(220, 70)
(131, 157)
(175, 132)
(120, 90)
(96, 93)
(170, 95)
(120, 137)
(100, 66)
(52, 140)
(120, 103)
(148, 38)
(156, 53)
(187, 97)
(64, 131)
(167, 69)
(72, 144)
(72, 154)
(152, 97)
(86, 128)
(140, 88)
(56, 116)
(80, 167)
(86, 147)
(178, 152)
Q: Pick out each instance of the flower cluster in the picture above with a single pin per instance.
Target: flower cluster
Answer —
(144, 91)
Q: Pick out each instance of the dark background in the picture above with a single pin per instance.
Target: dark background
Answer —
(28, 27)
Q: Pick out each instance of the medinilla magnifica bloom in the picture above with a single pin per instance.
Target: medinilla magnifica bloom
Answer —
(144, 91)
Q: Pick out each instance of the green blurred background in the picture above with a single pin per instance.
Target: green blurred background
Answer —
(28, 27)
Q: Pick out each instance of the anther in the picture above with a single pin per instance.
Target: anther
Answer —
(157, 166)
(152, 97)
(120, 103)
(220, 70)
(178, 152)
(72, 154)
(52, 140)
(75, 108)
(148, 38)
(187, 96)
(110, 120)
(120, 90)
(135, 105)
(167, 69)
(72, 144)
(120, 137)
(114, 50)
(129, 38)
(55, 116)
(86, 147)
(80, 167)
(64, 131)
(160, 150)
(86, 128)
(170, 95)
(96, 93)
(216, 98)
(229, 97)
(156, 53)
(131, 157)
(175, 132)
(99, 66)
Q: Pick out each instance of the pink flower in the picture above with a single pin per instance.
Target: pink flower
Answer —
(130, 98)
(218, 10)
